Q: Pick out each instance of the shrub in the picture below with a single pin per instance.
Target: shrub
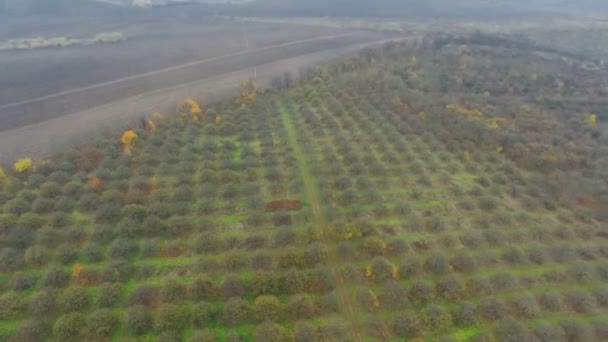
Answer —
(11, 304)
(201, 314)
(73, 299)
(549, 332)
(268, 308)
(261, 261)
(393, 295)
(420, 292)
(375, 326)
(492, 309)
(206, 335)
(66, 254)
(69, 326)
(232, 286)
(282, 219)
(551, 301)
(202, 289)
(409, 268)
(31, 330)
(108, 213)
(465, 314)
(580, 300)
(56, 277)
(144, 295)
(173, 291)
(299, 307)
(109, 295)
(406, 325)
(305, 332)
(270, 332)
(450, 288)
(437, 319)
(42, 303)
(503, 281)
(121, 249)
(328, 303)
(336, 330)
(236, 311)
(170, 317)
(139, 320)
(22, 281)
(437, 264)
(576, 330)
(510, 330)
(101, 324)
(526, 306)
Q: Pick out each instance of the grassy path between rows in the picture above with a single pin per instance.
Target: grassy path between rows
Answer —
(311, 193)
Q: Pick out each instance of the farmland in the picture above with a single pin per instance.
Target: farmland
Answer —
(407, 192)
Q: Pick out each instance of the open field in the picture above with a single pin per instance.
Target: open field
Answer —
(85, 82)
(414, 192)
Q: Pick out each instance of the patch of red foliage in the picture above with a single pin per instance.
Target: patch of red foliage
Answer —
(283, 205)
(88, 155)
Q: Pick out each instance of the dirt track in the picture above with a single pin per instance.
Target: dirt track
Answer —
(39, 131)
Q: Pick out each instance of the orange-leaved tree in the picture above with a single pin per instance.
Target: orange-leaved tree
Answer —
(127, 139)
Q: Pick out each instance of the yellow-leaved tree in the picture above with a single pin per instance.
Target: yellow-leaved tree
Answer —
(3, 176)
(218, 120)
(23, 165)
(592, 119)
(247, 91)
(127, 139)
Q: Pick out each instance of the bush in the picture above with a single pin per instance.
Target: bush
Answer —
(232, 286)
(206, 335)
(236, 311)
(139, 320)
(305, 332)
(327, 303)
(420, 292)
(268, 308)
(510, 330)
(121, 249)
(109, 295)
(437, 319)
(170, 317)
(69, 326)
(101, 324)
(549, 332)
(437, 264)
(66, 254)
(73, 299)
(406, 325)
(173, 291)
(525, 306)
(450, 288)
(22, 281)
(31, 330)
(144, 295)
(576, 330)
(492, 309)
(382, 269)
(394, 296)
(271, 332)
(202, 289)
(465, 314)
(551, 301)
(56, 277)
(42, 303)
(202, 314)
(409, 268)
(580, 300)
(11, 304)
